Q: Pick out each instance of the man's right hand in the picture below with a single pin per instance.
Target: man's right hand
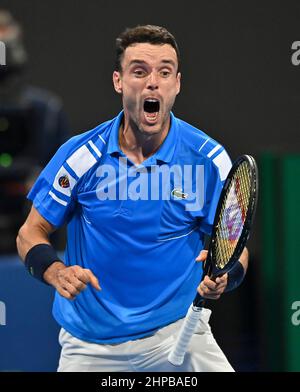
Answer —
(70, 281)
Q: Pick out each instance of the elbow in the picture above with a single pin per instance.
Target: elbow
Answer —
(20, 241)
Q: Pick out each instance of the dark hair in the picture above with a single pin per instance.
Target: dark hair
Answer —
(155, 35)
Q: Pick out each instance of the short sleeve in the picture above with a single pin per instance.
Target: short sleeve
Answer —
(54, 192)
(215, 175)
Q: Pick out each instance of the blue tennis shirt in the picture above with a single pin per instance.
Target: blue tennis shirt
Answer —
(138, 228)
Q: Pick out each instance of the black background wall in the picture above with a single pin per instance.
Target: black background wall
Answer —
(238, 84)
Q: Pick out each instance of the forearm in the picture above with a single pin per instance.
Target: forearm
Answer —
(244, 259)
(27, 238)
(236, 275)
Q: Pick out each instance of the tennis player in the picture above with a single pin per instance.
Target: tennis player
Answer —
(138, 193)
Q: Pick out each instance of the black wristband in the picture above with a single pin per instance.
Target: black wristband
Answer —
(235, 276)
(38, 260)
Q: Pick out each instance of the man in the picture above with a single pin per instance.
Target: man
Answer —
(131, 227)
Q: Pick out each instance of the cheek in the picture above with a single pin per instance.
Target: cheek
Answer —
(171, 96)
(130, 98)
(132, 87)
(171, 91)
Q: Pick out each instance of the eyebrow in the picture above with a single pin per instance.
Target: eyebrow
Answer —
(166, 61)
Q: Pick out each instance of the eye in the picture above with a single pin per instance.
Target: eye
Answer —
(165, 73)
(139, 72)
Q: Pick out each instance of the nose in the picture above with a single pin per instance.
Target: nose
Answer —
(152, 82)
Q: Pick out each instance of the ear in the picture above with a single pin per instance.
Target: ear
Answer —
(117, 80)
(178, 83)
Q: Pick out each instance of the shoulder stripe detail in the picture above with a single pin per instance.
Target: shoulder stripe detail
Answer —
(208, 146)
(81, 161)
(60, 201)
(64, 182)
(71, 171)
(214, 150)
(203, 144)
(97, 151)
(102, 139)
(223, 162)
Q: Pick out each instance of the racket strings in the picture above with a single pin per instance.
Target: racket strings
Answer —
(232, 216)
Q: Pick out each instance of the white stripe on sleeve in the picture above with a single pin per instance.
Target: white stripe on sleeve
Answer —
(60, 201)
(81, 161)
(97, 151)
(223, 162)
(214, 150)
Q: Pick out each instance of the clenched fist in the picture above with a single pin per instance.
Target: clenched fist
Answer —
(208, 288)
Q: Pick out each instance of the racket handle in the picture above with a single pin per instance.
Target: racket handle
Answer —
(188, 327)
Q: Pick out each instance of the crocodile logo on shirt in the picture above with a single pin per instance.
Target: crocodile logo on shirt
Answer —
(178, 194)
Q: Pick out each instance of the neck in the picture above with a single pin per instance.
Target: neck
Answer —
(139, 146)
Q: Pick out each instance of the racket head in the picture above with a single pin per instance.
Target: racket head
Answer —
(234, 217)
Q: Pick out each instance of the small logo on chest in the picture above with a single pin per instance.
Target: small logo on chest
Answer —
(178, 194)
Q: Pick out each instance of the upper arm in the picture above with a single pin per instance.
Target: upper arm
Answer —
(35, 230)
(35, 221)
(216, 169)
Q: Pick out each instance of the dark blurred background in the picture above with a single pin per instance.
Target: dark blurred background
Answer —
(240, 86)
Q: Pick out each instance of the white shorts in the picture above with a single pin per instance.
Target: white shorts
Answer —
(145, 355)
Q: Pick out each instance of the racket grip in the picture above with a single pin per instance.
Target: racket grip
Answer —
(188, 327)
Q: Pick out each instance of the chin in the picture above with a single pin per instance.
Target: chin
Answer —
(151, 129)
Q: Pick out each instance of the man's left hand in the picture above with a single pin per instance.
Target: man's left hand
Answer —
(208, 288)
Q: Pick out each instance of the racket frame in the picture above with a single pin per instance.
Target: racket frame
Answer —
(209, 267)
(176, 355)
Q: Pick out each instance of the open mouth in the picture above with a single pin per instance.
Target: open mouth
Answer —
(151, 105)
(151, 109)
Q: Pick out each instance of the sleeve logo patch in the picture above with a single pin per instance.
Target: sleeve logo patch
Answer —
(64, 181)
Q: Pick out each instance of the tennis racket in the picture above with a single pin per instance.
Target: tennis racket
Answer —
(231, 229)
